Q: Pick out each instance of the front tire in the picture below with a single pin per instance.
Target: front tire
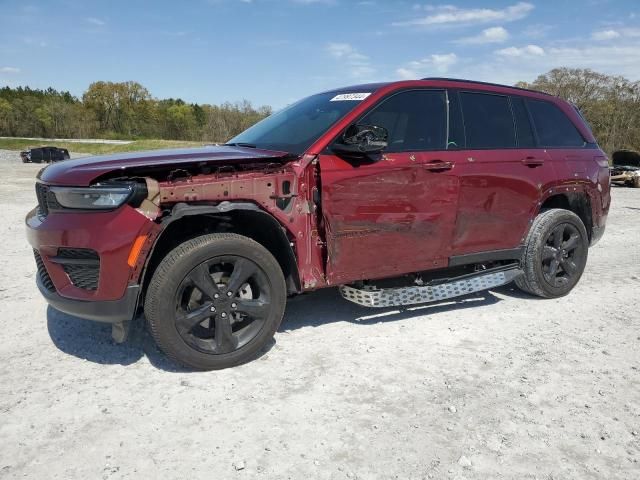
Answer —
(555, 254)
(215, 301)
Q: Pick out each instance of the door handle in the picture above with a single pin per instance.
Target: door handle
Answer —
(437, 166)
(532, 162)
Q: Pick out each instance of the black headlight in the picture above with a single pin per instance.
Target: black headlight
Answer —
(107, 196)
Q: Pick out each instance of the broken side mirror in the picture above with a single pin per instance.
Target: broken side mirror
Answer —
(362, 140)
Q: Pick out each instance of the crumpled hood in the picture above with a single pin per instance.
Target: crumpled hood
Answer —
(626, 158)
(82, 171)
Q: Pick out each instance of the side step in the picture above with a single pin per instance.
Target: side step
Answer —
(370, 296)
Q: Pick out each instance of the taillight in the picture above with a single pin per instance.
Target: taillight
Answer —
(602, 161)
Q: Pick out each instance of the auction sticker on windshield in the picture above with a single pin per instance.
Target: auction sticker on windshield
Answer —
(353, 97)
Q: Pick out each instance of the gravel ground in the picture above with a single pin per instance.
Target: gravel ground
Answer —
(499, 385)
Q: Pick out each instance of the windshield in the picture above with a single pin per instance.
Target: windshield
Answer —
(296, 127)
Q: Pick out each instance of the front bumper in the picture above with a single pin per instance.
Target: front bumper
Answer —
(111, 294)
(108, 311)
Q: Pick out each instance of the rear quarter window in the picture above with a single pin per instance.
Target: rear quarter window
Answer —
(553, 127)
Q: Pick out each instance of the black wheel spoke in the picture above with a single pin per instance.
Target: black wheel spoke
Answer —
(572, 243)
(223, 335)
(569, 266)
(187, 320)
(203, 281)
(553, 268)
(254, 308)
(558, 234)
(548, 252)
(243, 270)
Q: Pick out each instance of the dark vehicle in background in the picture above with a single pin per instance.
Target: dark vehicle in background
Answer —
(626, 168)
(44, 155)
(397, 193)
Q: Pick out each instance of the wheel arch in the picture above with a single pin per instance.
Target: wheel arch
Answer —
(187, 221)
(576, 201)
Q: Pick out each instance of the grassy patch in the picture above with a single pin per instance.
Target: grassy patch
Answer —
(96, 148)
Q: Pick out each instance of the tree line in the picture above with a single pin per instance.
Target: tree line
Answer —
(119, 110)
(611, 105)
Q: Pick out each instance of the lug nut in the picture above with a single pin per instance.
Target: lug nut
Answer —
(229, 294)
(216, 296)
(223, 315)
(213, 309)
(233, 305)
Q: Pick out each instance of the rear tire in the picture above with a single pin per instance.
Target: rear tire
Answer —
(555, 254)
(215, 301)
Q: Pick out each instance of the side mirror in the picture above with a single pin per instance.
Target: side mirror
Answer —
(362, 139)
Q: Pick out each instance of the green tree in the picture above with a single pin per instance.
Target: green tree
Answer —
(124, 109)
(5, 116)
(119, 107)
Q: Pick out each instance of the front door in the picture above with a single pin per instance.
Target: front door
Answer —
(396, 214)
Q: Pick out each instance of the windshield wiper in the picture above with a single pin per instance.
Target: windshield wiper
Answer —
(239, 144)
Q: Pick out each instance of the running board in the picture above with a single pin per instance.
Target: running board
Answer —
(370, 296)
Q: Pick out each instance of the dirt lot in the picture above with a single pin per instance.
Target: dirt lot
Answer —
(499, 385)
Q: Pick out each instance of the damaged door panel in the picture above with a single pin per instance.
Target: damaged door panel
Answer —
(386, 218)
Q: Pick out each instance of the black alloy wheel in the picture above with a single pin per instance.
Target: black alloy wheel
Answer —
(555, 254)
(562, 254)
(222, 304)
(215, 301)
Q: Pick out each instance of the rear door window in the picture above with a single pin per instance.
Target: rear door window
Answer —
(416, 120)
(553, 127)
(488, 121)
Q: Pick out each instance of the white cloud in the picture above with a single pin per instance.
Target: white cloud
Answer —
(523, 64)
(630, 32)
(346, 51)
(537, 30)
(440, 63)
(95, 21)
(448, 15)
(34, 42)
(489, 35)
(527, 51)
(615, 59)
(605, 35)
(358, 64)
(9, 70)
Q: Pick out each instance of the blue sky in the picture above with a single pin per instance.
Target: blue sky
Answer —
(276, 51)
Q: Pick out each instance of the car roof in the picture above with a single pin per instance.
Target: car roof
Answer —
(372, 87)
(476, 82)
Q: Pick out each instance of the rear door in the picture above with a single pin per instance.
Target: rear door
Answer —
(393, 214)
(502, 174)
(563, 142)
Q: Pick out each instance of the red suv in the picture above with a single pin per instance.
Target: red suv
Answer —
(399, 193)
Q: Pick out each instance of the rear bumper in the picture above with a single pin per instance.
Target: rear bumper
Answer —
(108, 311)
(596, 234)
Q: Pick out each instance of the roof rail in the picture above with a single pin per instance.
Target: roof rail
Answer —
(484, 83)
